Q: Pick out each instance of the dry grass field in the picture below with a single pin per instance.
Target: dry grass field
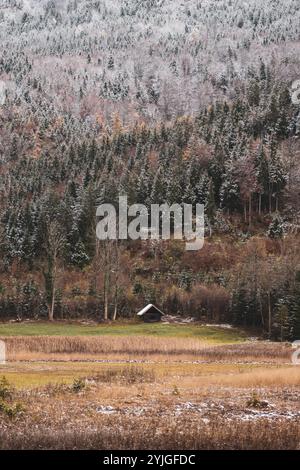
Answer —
(140, 348)
(142, 392)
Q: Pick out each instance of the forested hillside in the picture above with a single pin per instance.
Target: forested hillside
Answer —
(165, 101)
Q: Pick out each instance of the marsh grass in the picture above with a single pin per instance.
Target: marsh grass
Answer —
(66, 402)
(101, 347)
(136, 433)
(275, 377)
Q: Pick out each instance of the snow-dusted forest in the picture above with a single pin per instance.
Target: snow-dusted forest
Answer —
(145, 59)
(164, 100)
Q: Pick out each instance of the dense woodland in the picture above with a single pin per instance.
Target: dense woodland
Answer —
(164, 101)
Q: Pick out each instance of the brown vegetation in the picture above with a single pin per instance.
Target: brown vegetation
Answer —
(184, 394)
(153, 434)
(139, 347)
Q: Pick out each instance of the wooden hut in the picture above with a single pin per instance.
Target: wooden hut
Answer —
(150, 314)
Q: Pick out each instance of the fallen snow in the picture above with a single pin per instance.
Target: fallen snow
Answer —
(221, 325)
(106, 410)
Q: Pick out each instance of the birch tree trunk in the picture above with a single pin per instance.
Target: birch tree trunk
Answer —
(250, 209)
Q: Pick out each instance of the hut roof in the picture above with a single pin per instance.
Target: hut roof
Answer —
(147, 308)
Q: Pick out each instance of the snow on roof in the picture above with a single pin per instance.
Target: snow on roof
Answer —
(145, 309)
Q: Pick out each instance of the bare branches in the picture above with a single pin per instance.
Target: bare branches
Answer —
(55, 241)
(108, 265)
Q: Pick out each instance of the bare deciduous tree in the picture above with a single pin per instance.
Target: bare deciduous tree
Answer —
(55, 241)
(108, 262)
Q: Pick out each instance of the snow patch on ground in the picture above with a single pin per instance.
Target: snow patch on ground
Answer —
(208, 412)
(106, 410)
(222, 325)
(177, 319)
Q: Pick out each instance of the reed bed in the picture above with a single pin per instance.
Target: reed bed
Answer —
(91, 348)
(101, 344)
(265, 378)
(98, 347)
(140, 433)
